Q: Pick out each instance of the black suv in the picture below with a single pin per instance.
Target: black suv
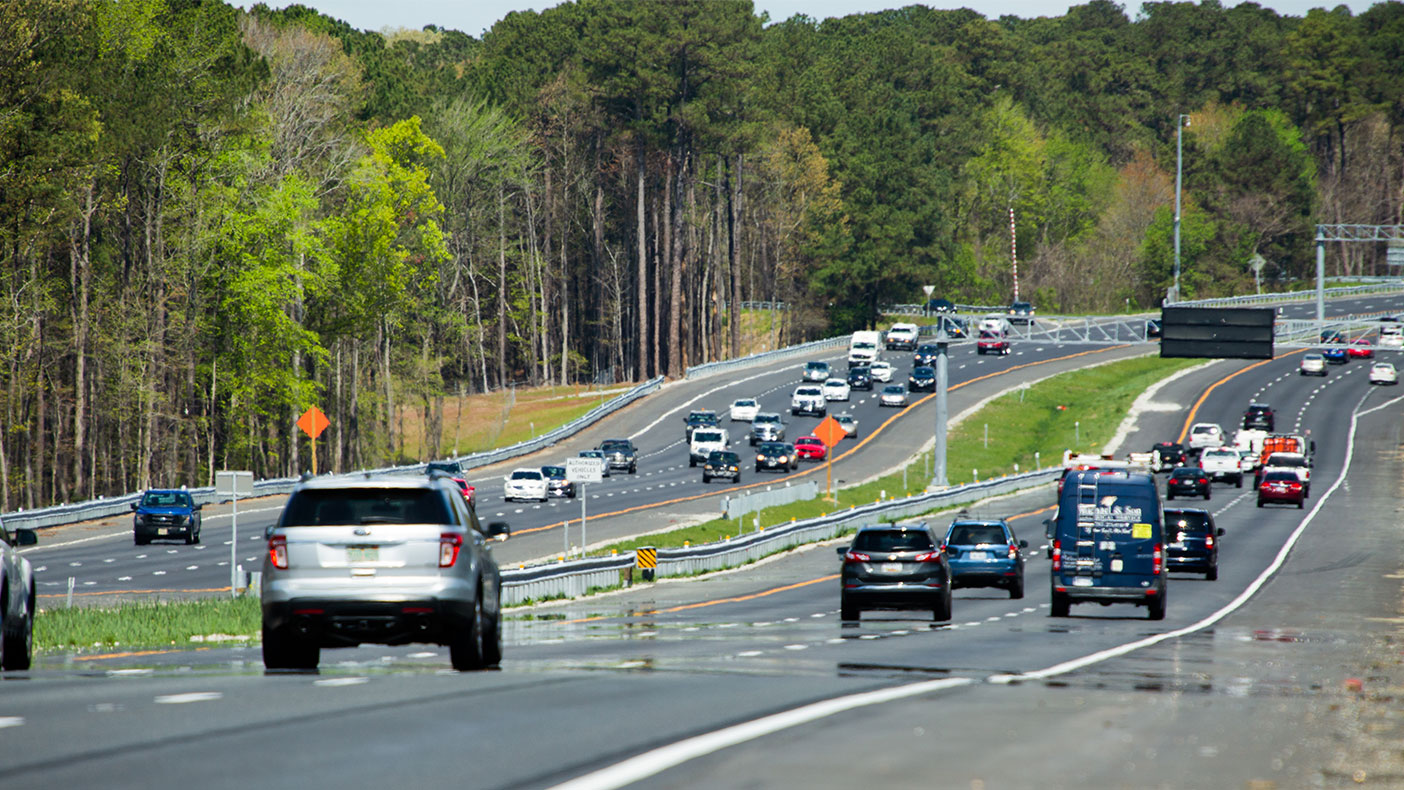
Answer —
(939, 306)
(1259, 415)
(1021, 313)
(776, 455)
(860, 378)
(620, 454)
(1187, 481)
(925, 355)
(955, 326)
(722, 463)
(699, 418)
(1194, 542)
(894, 566)
(1168, 455)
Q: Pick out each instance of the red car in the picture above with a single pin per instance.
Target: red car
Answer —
(810, 448)
(1361, 349)
(1282, 487)
(466, 489)
(992, 342)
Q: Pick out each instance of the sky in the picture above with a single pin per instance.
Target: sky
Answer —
(474, 17)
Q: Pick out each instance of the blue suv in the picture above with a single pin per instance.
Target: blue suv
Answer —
(165, 514)
(986, 554)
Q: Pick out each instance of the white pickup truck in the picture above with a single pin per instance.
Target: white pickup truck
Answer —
(1222, 463)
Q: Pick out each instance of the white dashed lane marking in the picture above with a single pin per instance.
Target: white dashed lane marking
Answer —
(193, 696)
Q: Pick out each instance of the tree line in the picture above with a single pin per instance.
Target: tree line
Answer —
(211, 219)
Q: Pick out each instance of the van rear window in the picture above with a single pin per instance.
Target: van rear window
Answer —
(892, 540)
(1193, 523)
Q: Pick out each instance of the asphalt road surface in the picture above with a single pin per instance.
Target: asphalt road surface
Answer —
(1279, 674)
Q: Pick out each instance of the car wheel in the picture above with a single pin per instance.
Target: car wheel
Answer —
(197, 535)
(1169, 495)
(18, 647)
(633, 469)
(847, 611)
(1238, 483)
(1207, 493)
(692, 462)
(140, 541)
(1212, 574)
(1016, 590)
(466, 650)
(1260, 503)
(492, 640)
(283, 650)
(190, 538)
(941, 612)
(1156, 607)
(1061, 606)
(1301, 503)
(757, 468)
(706, 478)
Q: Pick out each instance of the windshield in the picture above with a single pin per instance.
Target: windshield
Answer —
(166, 499)
(817, 366)
(764, 418)
(526, 474)
(895, 389)
(892, 540)
(989, 334)
(807, 391)
(744, 404)
(702, 437)
(923, 371)
(718, 457)
(348, 507)
(772, 448)
(554, 472)
(615, 445)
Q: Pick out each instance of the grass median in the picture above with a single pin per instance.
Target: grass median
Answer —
(1018, 431)
(149, 624)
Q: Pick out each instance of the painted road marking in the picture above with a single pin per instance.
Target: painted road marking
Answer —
(11, 721)
(193, 696)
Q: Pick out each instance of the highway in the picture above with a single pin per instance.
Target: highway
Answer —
(747, 678)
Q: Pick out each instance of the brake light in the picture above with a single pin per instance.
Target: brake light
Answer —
(278, 552)
(1057, 555)
(1203, 481)
(449, 544)
(1157, 559)
(1013, 551)
(854, 556)
(1209, 541)
(930, 556)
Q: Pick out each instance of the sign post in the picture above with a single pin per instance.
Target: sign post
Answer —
(928, 290)
(234, 484)
(581, 471)
(313, 422)
(830, 433)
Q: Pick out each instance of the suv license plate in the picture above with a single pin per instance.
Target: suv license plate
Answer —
(163, 531)
(892, 567)
(363, 554)
(979, 555)
(1082, 581)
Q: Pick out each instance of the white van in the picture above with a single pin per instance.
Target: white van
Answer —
(863, 348)
(1392, 336)
(704, 441)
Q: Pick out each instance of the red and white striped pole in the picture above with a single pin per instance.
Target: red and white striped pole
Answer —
(1014, 253)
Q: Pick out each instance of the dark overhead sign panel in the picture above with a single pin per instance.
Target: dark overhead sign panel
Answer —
(1217, 332)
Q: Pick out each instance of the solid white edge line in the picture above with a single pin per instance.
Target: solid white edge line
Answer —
(125, 533)
(665, 415)
(1231, 606)
(661, 759)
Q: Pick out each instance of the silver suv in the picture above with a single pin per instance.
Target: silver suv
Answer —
(17, 594)
(390, 561)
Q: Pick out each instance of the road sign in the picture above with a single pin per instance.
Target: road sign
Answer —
(234, 483)
(584, 470)
(313, 422)
(929, 289)
(830, 432)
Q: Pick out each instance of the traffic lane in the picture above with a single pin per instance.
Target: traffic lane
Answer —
(1260, 699)
(109, 565)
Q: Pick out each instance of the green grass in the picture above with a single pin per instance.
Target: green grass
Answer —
(1097, 398)
(145, 624)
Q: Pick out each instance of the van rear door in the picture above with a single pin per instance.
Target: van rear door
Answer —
(1119, 536)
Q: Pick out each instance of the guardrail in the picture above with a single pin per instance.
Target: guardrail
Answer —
(733, 507)
(115, 506)
(575, 577)
(713, 368)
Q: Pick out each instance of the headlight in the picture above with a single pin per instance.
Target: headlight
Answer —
(784, 459)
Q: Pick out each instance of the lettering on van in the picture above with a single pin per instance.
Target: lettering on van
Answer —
(1115, 515)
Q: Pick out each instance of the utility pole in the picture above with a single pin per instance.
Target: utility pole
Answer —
(1180, 123)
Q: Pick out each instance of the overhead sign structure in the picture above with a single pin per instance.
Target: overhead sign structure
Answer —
(313, 422)
(1217, 332)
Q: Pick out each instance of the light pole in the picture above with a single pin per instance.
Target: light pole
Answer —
(1180, 123)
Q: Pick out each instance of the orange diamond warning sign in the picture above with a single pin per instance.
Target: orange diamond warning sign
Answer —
(830, 432)
(313, 422)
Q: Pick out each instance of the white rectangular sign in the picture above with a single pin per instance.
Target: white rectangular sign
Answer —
(584, 470)
(234, 483)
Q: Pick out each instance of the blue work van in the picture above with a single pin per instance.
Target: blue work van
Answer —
(1109, 542)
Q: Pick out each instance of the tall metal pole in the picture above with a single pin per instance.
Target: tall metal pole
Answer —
(1320, 274)
(938, 478)
(1179, 170)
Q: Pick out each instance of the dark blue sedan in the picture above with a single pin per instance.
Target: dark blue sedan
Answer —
(1335, 355)
(986, 554)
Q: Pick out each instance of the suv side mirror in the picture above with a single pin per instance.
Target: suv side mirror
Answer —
(500, 530)
(1023, 544)
(199, 507)
(841, 550)
(135, 505)
(26, 537)
(1221, 532)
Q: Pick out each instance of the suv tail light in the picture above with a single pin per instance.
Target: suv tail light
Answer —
(854, 556)
(1209, 541)
(1157, 559)
(1013, 551)
(1057, 555)
(278, 552)
(449, 544)
(930, 556)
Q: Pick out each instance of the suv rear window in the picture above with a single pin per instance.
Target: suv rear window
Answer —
(972, 534)
(892, 540)
(702, 437)
(353, 506)
(1192, 523)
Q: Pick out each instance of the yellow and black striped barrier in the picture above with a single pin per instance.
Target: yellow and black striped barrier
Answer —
(646, 558)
